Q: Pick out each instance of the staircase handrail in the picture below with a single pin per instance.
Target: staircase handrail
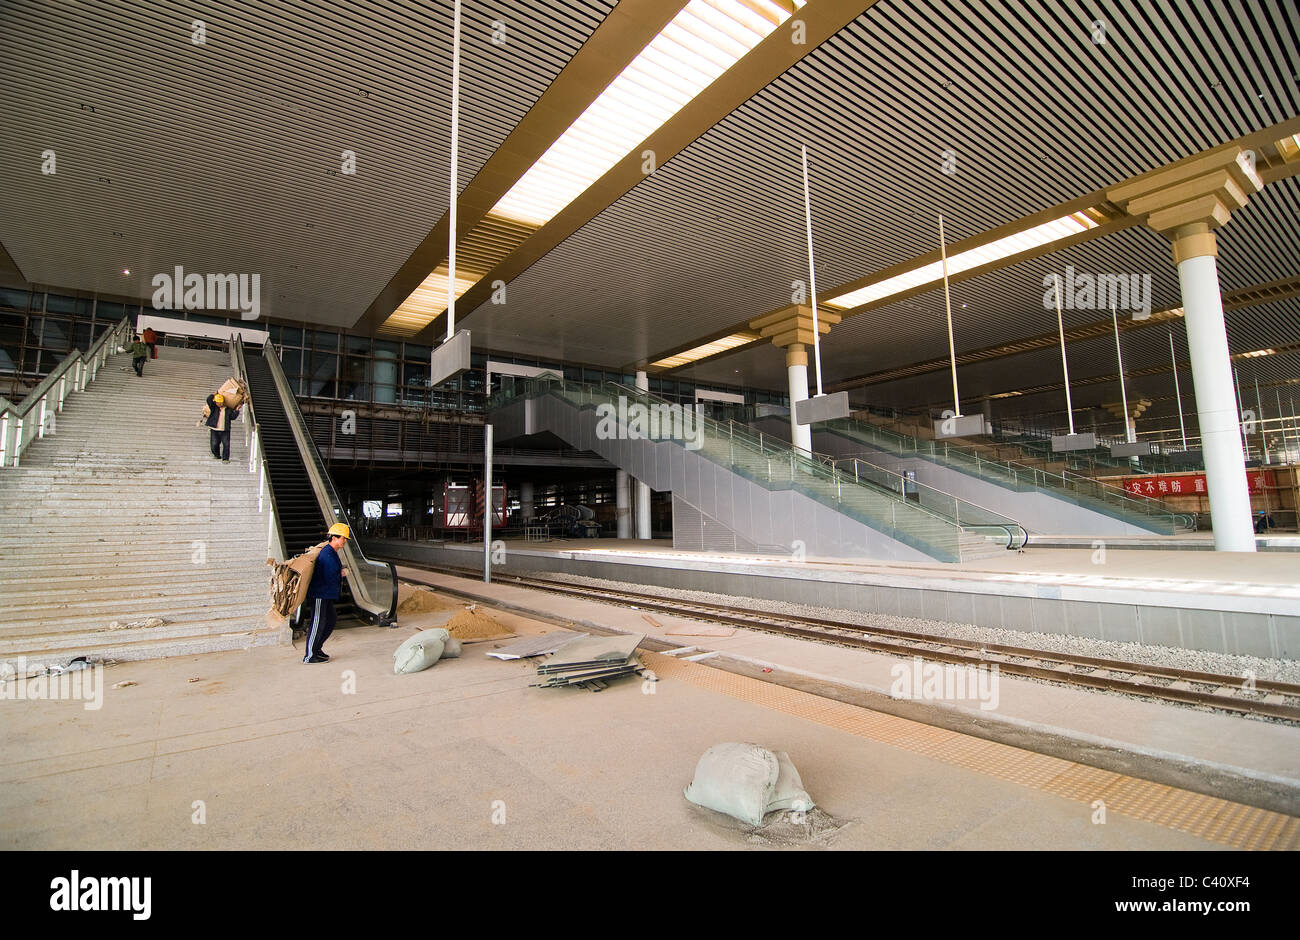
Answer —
(17, 431)
(942, 450)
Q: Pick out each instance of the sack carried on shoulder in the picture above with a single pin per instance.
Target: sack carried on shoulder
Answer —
(290, 580)
(234, 391)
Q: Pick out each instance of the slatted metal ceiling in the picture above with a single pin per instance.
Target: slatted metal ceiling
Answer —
(1037, 114)
(226, 156)
(220, 158)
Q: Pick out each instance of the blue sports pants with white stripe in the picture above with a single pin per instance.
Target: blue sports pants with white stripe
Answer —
(320, 624)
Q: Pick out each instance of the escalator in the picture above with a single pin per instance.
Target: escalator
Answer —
(759, 493)
(305, 503)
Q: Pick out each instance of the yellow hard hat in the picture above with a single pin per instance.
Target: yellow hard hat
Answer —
(339, 528)
(219, 398)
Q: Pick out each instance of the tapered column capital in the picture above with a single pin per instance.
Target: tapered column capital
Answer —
(794, 324)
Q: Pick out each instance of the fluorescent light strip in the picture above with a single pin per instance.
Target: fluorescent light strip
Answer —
(705, 39)
(994, 251)
(413, 315)
(706, 350)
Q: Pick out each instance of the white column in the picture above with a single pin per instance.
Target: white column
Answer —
(1216, 404)
(487, 504)
(622, 512)
(642, 489)
(796, 367)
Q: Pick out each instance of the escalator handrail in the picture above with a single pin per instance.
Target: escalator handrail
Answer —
(327, 498)
(821, 466)
(241, 369)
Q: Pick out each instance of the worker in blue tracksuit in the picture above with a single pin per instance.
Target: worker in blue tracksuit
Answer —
(323, 593)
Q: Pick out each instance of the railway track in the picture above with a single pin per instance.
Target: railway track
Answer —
(1253, 697)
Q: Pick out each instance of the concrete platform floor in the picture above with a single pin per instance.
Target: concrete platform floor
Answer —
(1227, 570)
(349, 756)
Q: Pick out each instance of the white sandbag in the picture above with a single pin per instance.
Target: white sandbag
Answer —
(736, 779)
(789, 792)
(451, 649)
(420, 651)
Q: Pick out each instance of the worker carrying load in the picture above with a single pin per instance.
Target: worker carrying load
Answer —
(314, 577)
(219, 414)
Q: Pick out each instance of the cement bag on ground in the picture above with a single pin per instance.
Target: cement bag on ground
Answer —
(736, 779)
(420, 651)
(789, 792)
(451, 649)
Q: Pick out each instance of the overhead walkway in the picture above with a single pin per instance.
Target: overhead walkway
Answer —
(1043, 501)
(303, 501)
(732, 488)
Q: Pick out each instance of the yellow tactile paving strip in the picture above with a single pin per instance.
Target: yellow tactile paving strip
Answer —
(1208, 817)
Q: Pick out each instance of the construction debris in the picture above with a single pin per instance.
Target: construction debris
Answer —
(474, 625)
(420, 651)
(536, 645)
(746, 782)
(124, 683)
(590, 662)
(417, 599)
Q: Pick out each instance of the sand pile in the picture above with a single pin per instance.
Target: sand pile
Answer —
(474, 625)
(414, 599)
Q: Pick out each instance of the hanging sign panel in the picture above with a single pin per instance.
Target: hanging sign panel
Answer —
(1063, 442)
(955, 426)
(450, 359)
(822, 408)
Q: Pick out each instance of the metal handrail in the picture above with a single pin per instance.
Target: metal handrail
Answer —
(257, 457)
(818, 466)
(16, 430)
(1036, 476)
(328, 500)
(995, 519)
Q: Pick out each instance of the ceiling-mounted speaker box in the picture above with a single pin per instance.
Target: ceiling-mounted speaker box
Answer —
(450, 359)
(1062, 442)
(822, 408)
(959, 426)
(1133, 449)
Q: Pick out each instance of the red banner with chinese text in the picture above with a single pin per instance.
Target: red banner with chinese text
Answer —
(1192, 484)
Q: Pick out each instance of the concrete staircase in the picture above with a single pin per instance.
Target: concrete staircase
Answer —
(121, 514)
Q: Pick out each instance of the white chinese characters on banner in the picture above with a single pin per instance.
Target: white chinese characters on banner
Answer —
(1157, 486)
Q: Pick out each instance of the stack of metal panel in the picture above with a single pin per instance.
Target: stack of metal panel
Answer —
(590, 662)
